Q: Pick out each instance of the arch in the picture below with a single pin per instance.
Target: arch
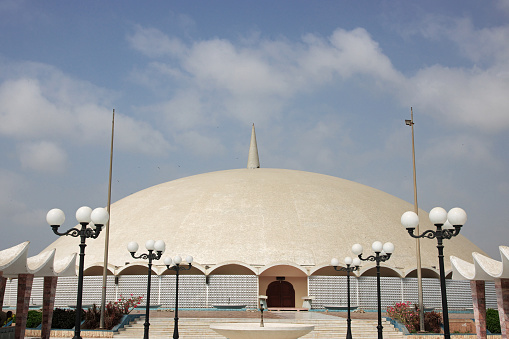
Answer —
(426, 272)
(97, 270)
(232, 268)
(280, 293)
(385, 271)
(283, 269)
(328, 270)
(193, 271)
(135, 269)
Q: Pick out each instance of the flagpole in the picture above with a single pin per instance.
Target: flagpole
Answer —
(417, 240)
(107, 230)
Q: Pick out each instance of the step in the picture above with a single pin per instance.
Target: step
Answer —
(200, 328)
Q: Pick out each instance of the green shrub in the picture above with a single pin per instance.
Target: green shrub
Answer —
(432, 321)
(492, 321)
(63, 319)
(34, 319)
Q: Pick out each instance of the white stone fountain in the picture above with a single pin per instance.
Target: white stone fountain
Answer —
(262, 330)
(268, 331)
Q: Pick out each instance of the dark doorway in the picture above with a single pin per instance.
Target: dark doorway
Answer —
(280, 294)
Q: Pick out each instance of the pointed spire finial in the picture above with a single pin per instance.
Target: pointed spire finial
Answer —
(252, 160)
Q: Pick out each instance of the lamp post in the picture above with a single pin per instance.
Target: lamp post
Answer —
(382, 254)
(447, 225)
(261, 313)
(356, 263)
(174, 265)
(91, 225)
(150, 245)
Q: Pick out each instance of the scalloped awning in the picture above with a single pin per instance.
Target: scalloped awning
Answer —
(483, 268)
(15, 260)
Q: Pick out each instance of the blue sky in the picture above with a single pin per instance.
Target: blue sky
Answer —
(328, 85)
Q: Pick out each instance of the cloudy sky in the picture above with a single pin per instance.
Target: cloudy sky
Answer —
(328, 85)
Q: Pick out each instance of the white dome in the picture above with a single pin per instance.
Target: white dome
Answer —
(263, 216)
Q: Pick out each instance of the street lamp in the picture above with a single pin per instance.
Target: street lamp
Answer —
(150, 245)
(174, 265)
(382, 254)
(448, 225)
(86, 217)
(356, 263)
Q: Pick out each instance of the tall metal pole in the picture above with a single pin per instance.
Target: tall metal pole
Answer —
(379, 297)
(176, 319)
(378, 257)
(107, 237)
(348, 270)
(418, 240)
(457, 218)
(147, 305)
(348, 319)
(445, 310)
(79, 299)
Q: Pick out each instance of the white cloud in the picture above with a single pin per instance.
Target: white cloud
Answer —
(349, 53)
(139, 137)
(154, 43)
(38, 102)
(487, 44)
(26, 113)
(184, 111)
(42, 156)
(474, 98)
(254, 79)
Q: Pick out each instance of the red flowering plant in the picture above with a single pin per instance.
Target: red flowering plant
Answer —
(113, 312)
(127, 305)
(406, 315)
(409, 316)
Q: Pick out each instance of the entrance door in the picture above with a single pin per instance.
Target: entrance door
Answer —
(280, 294)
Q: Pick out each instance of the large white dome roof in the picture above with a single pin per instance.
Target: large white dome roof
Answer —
(259, 217)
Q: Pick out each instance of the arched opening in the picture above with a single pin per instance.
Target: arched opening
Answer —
(426, 273)
(330, 271)
(135, 270)
(289, 273)
(384, 272)
(232, 269)
(96, 271)
(280, 293)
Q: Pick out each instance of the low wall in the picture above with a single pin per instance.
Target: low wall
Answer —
(453, 336)
(70, 333)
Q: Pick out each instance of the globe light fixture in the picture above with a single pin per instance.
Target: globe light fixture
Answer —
(448, 225)
(174, 265)
(151, 246)
(382, 253)
(348, 262)
(91, 224)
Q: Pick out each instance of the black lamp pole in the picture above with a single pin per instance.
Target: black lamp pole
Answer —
(382, 254)
(447, 225)
(150, 245)
(175, 266)
(348, 269)
(86, 217)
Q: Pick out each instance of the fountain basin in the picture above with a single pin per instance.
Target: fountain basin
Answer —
(269, 331)
(229, 307)
(339, 307)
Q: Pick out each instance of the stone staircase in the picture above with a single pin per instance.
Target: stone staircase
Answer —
(194, 328)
